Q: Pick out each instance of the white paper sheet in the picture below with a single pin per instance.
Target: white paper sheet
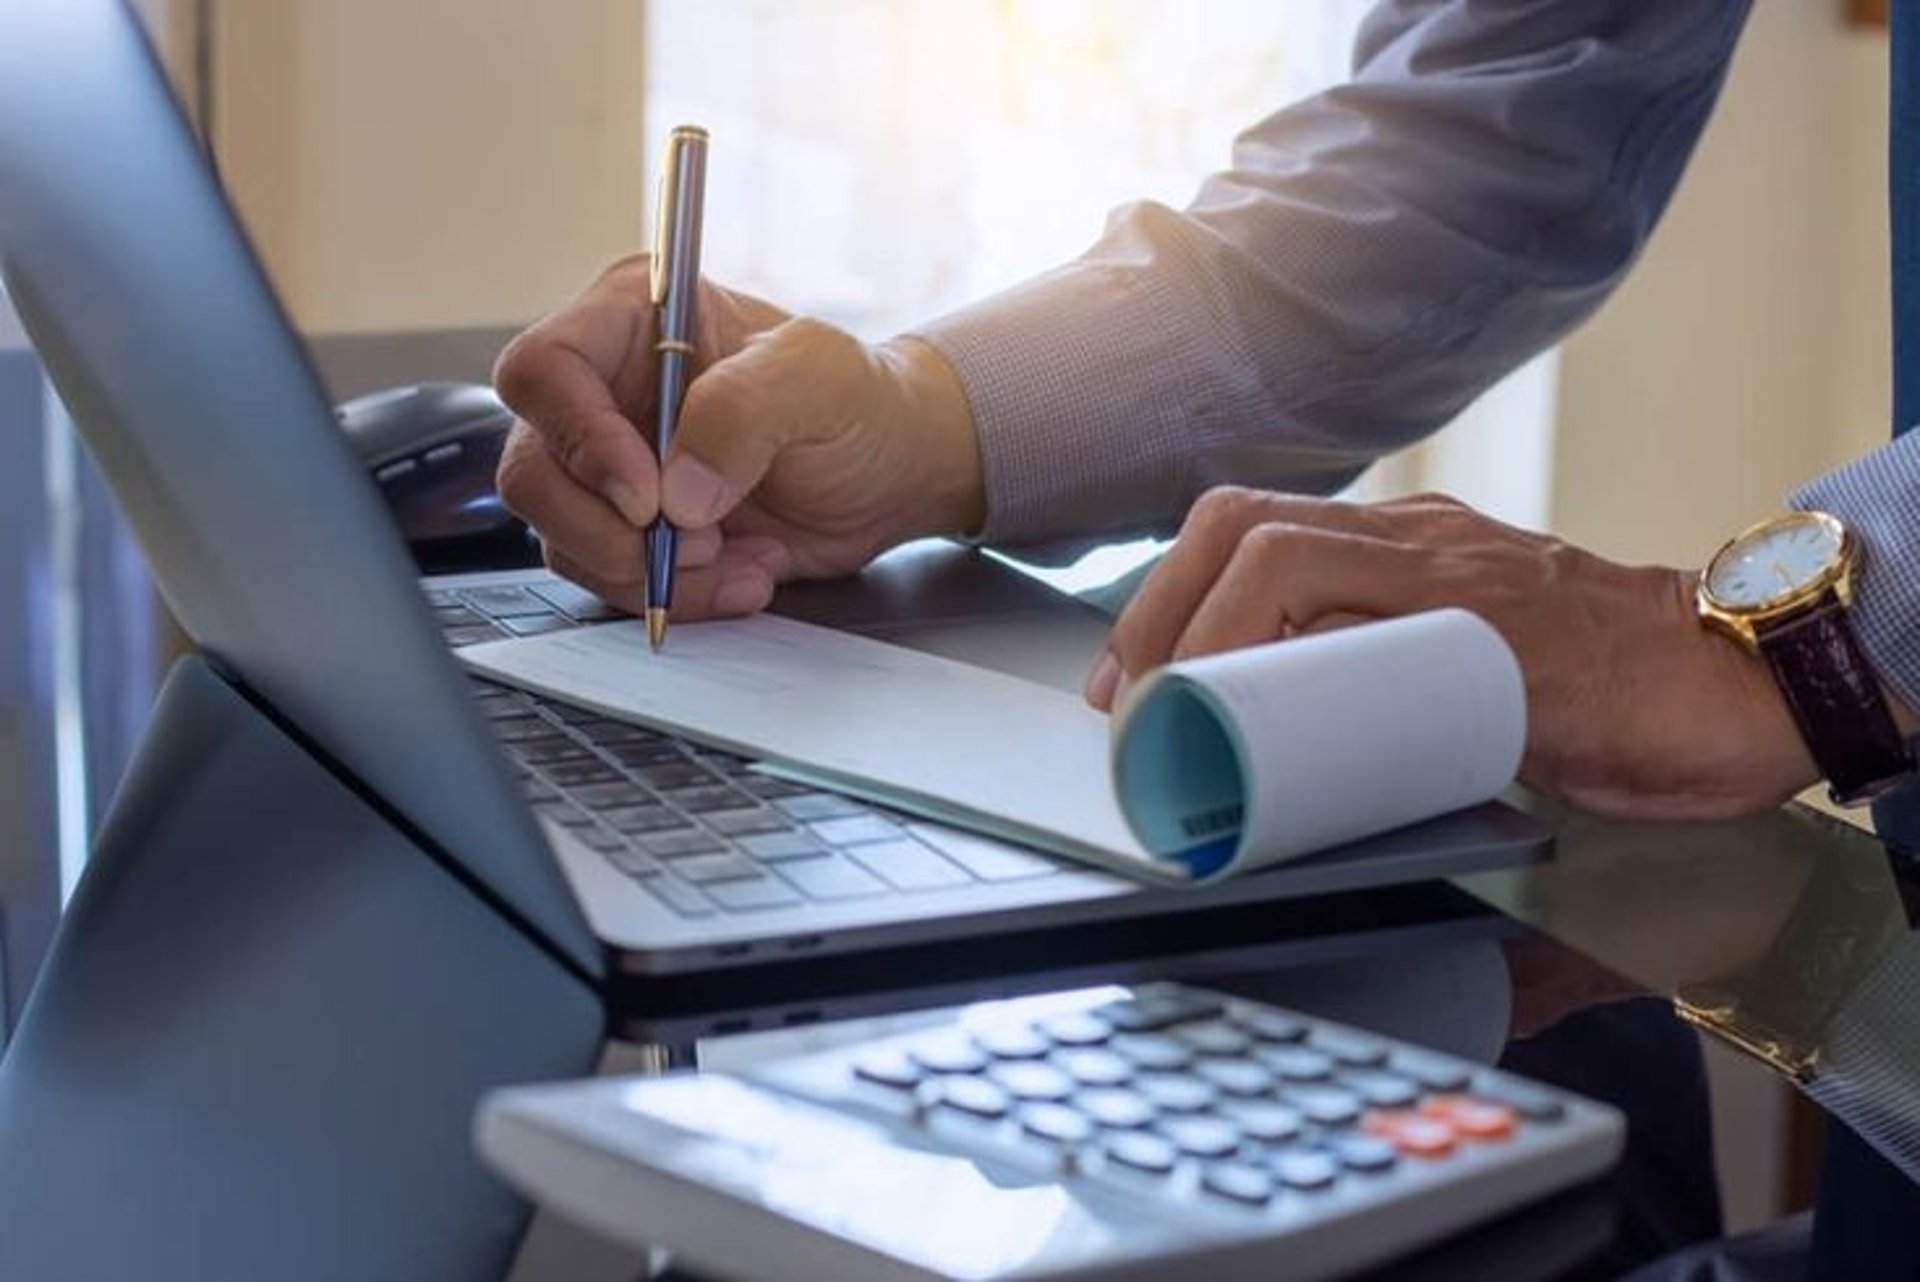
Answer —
(898, 726)
(1316, 741)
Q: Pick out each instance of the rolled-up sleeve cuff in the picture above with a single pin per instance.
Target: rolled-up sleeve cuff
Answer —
(1082, 400)
(1878, 497)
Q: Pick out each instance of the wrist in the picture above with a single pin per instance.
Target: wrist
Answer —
(934, 412)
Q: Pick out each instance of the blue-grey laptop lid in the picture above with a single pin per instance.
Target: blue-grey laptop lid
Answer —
(270, 544)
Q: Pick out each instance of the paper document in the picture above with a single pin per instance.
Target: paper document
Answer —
(1245, 759)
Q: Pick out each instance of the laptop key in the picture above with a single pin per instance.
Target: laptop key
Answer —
(985, 858)
(854, 830)
(677, 774)
(645, 818)
(620, 792)
(678, 896)
(539, 752)
(505, 601)
(908, 865)
(573, 774)
(765, 892)
(831, 877)
(707, 801)
(775, 846)
(576, 601)
(457, 637)
(725, 866)
(811, 806)
(534, 625)
(564, 813)
(746, 823)
(675, 845)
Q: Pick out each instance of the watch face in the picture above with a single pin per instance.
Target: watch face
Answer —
(1775, 562)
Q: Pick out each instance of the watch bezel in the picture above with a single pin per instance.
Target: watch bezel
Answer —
(1746, 622)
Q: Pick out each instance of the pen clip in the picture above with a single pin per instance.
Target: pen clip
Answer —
(659, 268)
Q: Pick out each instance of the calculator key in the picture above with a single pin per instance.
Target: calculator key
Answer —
(1240, 1077)
(1325, 1105)
(1012, 1041)
(1411, 1133)
(1121, 1109)
(679, 773)
(1262, 1120)
(505, 601)
(516, 729)
(769, 788)
(1091, 1066)
(537, 624)
(1152, 1050)
(974, 1095)
(1268, 1025)
(645, 754)
(1365, 1153)
(1213, 1038)
(1348, 1048)
(564, 813)
(1474, 1119)
(1176, 1093)
(889, 1066)
(1529, 1102)
(1433, 1072)
(1151, 1011)
(1143, 1152)
(572, 774)
(1201, 1136)
(633, 863)
(1296, 1063)
(948, 1055)
(601, 839)
(1055, 1122)
(1076, 1029)
(712, 801)
(1304, 1168)
(1238, 1182)
(1379, 1088)
(1031, 1080)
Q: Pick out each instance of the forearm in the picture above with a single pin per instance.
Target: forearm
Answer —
(1377, 256)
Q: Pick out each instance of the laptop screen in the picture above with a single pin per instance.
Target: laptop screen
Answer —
(271, 546)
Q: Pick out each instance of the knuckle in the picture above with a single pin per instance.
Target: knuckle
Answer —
(1270, 541)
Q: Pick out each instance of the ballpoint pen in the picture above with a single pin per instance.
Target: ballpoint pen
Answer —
(676, 282)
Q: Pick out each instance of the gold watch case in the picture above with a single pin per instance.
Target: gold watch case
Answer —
(1744, 623)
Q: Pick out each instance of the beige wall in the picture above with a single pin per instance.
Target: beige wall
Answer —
(1747, 352)
(433, 163)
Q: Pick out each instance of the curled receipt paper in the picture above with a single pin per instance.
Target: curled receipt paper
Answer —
(1256, 756)
(1219, 764)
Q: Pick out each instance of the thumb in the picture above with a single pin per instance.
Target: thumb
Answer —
(794, 384)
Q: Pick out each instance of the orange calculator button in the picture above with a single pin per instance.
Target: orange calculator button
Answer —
(1476, 1119)
(1411, 1133)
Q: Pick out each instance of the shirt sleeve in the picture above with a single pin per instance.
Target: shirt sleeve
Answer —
(1375, 257)
(1878, 497)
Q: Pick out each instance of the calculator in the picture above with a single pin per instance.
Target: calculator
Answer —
(1159, 1131)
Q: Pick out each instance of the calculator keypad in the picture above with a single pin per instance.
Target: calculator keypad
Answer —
(1230, 1103)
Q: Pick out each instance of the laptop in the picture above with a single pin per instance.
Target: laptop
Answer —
(624, 850)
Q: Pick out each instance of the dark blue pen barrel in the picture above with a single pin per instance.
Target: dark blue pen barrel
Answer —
(661, 543)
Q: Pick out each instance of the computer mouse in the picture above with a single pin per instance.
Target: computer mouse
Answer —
(433, 449)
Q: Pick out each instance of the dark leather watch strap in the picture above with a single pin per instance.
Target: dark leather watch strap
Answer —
(1837, 702)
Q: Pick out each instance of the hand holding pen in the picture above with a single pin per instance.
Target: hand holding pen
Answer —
(676, 285)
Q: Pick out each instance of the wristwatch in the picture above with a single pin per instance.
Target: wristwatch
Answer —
(1783, 589)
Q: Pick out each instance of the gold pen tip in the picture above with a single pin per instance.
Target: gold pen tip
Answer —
(656, 628)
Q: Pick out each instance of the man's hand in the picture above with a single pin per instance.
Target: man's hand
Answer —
(799, 451)
(1633, 708)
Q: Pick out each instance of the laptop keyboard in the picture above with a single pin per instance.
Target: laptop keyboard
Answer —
(699, 830)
